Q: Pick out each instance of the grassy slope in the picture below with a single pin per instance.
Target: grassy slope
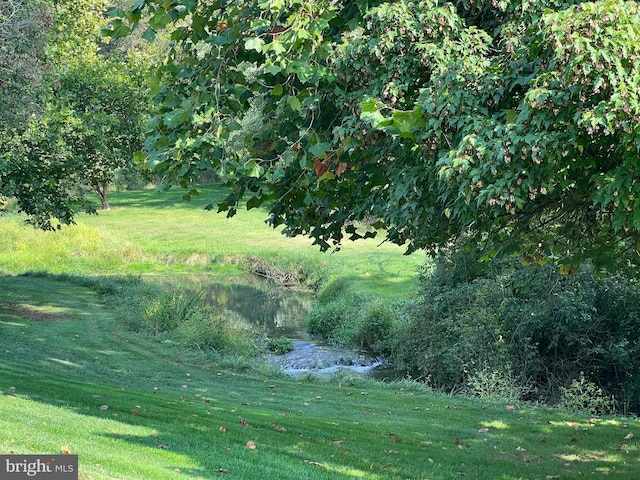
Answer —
(173, 415)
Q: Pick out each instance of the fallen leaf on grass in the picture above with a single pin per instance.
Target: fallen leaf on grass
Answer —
(551, 477)
(628, 436)
(279, 427)
(510, 406)
(317, 464)
(483, 430)
(251, 445)
(394, 437)
(222, 429)
(134, 411)
(104, 407)
(65, 450)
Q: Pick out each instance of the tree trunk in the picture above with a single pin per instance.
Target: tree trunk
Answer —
(101, 190)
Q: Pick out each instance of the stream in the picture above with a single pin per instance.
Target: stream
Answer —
(278, 313)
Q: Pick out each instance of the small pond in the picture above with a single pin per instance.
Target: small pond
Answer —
(276, 312)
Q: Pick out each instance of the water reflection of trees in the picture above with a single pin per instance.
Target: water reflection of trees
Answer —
(262, 307)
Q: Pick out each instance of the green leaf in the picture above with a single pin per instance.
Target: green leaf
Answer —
(253, 168)
(254, 43)
(116, 13)
(511, 116)
(371, 112)
(149, 34)
(407, 122)
(116, 30)
(319, 149)
(160, 20)
(253, 202)
(225, 37)
(294, 103)
(272, 68)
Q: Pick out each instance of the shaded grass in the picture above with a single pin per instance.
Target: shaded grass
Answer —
(175, 414)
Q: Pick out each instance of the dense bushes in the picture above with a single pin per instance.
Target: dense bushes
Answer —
(353, 318)
(524, 331)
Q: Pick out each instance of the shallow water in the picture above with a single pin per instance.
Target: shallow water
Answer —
(318, 359)
(277, 313)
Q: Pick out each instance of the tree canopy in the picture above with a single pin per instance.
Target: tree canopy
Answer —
(514, 123)
(23, 63)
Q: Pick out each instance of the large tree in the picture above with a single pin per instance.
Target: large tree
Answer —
(104, 101)
(87, 125)
(515, 123)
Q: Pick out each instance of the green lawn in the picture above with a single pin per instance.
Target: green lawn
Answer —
(72, 378)
(132, 407)
(149, 232)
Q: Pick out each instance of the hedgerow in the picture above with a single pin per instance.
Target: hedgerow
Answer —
(506, 326)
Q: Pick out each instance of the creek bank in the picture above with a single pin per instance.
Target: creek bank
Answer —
(277, 313)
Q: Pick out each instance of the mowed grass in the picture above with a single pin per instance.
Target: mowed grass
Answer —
(73, 380)
(150, 232)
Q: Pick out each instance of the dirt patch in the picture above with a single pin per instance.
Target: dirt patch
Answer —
(30, 313)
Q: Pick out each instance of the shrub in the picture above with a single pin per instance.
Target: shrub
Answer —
(496, 385)
(169, 310)
(280, 346)
(374, 329)
(335, 318)
(351, 318)
(210, 332)
(585, 396)
(475, 319)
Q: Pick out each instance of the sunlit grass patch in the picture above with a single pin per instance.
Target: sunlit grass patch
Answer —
(149, 232)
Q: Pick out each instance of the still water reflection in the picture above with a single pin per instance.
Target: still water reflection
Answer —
(251, 303)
